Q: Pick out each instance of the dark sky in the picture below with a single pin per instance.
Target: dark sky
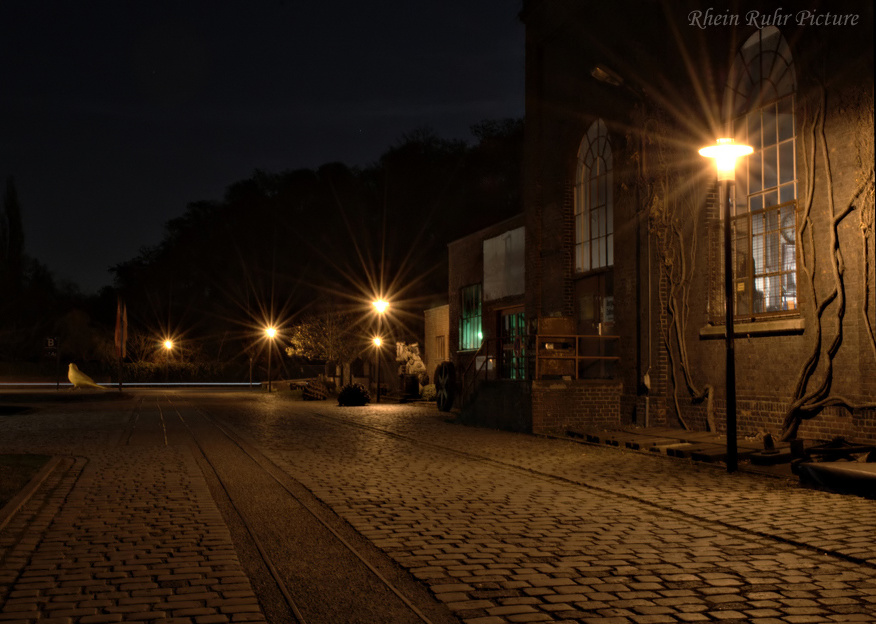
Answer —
(114, 115)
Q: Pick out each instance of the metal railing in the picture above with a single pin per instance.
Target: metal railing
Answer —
(478, 369)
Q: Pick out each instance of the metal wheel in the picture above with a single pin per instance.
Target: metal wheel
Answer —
(445, 386)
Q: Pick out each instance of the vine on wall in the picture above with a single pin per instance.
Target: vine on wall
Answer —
(814, 390)
(673, 221)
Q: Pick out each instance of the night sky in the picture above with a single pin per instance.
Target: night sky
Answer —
(115, 115)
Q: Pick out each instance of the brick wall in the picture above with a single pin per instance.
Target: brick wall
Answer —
(437, 323)
(758, 415)
(586, 404)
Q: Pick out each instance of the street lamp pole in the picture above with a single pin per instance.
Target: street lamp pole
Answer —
(168, 345)
(380, 305)
(270, 332)
(377, 343)
(725, 154)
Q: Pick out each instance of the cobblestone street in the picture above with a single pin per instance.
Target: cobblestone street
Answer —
(512, 528)
(500, 527)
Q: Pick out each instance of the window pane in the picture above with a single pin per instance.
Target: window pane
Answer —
(600, 198)
(769, 125)
(787, 193)
(770, 167)
(787, 219)
(585, 256)
(786, 162)
(758, 295)
(755, 175)
(757, 251)
(602, 211)
(773, 293)
(754, 130)
(785, 119)
(741, 249)
(609, 218)
(772, 220)
(610, 246)
(756, 203)
(771, 253)
(579, 251)
(742, 305)
(594, 191)
(770, 199)
(788, 259)
(757, 224)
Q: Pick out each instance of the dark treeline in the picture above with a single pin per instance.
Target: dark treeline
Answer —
(33, 304)
(280, 246)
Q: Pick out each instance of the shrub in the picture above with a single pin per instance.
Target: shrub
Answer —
(429, 392)
(354, 394)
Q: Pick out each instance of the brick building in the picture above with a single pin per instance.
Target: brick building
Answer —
(624, 279)
(436, 331)
(487, 332)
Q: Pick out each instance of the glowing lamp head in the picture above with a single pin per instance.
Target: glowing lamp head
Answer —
(725, 153)
(377, 341)
(168, 344)
(380, 305)
(270, 332)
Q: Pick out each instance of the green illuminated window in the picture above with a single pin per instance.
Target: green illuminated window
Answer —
(470, 326)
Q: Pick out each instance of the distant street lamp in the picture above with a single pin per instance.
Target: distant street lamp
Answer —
(381, 306)
(377, 342)
(168, 347)
(725, 153)
(270, 332)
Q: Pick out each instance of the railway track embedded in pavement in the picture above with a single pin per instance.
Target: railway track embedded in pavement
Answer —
(320, 573)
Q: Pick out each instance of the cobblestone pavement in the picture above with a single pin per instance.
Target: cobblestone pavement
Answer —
(116, 533)
(501, 527)
(550, 530)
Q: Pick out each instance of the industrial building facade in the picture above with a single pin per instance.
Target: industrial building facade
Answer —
(620, 304)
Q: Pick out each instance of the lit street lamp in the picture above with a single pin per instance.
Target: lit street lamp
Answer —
(168, 347)
(725, 153)
(270, 332)
(377, 342)
(381, 306)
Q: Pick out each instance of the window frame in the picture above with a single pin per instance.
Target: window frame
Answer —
(760, 106)
(594, 201)
(471, 327)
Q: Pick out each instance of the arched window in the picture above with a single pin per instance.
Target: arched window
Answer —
(759, 105)
(594, 209)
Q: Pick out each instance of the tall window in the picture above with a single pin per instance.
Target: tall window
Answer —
(594, 205)
(513, 352)
(470, 331)
(760, 105)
